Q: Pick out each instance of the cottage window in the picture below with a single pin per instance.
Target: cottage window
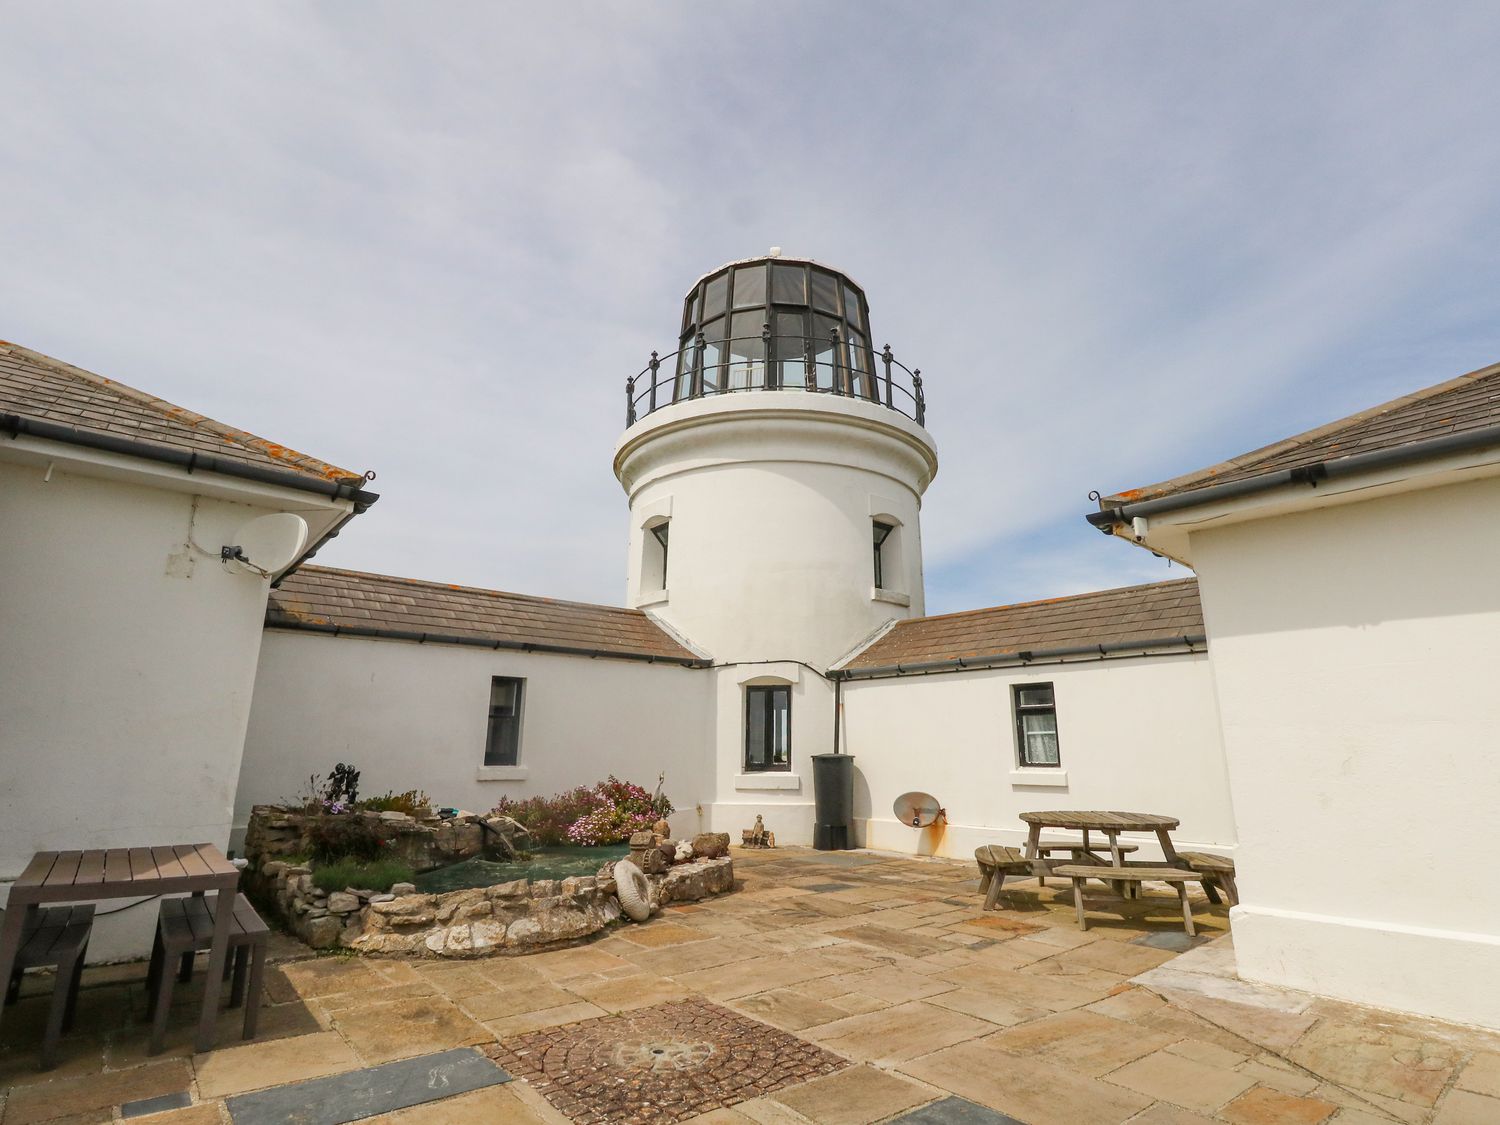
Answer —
(1036, 724)
(502, 744)
(768, 728)
(882, 533)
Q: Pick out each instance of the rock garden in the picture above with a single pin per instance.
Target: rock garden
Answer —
(346, 872)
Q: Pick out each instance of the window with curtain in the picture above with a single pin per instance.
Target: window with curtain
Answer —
(1035, 708)
(768, 727)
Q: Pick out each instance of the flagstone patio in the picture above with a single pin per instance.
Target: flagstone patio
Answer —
(835, 988)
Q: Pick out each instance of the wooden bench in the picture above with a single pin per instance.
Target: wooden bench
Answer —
(995, 863)
(55, 936)
(185, 926)
(1078, 852)
(1177, 876)
(1217, 872)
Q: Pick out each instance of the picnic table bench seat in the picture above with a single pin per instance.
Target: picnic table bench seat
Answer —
(56, 936)
(1177, 876)
(1217, 872)
(995, 863)
(185, 926)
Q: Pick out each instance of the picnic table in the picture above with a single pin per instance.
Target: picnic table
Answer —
(86, 876)
(1110, 824)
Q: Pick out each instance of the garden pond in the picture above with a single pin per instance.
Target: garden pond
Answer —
(545, 863)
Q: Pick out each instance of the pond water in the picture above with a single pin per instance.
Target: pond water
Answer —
(545, 863)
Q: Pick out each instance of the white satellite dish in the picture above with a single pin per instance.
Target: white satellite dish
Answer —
(918, 810)
(269, 543)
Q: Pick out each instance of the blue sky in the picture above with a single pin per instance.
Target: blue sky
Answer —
(1122, 241)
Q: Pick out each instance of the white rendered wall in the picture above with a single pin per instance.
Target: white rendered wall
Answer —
(126, 668)
(771, 498)
(412, 716)
(1356, 662)
(1139, 734)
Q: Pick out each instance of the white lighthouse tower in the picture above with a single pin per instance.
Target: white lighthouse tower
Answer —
(775, 465)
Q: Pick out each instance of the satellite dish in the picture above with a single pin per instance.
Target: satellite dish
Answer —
(918, 810)
(269, 543)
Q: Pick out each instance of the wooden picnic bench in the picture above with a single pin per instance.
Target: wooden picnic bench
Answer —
(995, 863)
(1078, 851)
(1217, 872)
(1135, 875)
(90, 876)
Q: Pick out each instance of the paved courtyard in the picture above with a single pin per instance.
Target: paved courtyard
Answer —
(837, 988)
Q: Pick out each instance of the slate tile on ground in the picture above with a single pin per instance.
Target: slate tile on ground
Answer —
(955, 1111)
(363, 1093)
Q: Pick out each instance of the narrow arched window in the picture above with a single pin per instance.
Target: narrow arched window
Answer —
(882, 532)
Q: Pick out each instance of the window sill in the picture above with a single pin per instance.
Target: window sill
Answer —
(501, 773)
(879, 595)
(1046, 778)
(766, 782)
(650, 597)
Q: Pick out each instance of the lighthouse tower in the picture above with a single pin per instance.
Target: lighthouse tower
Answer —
(775, 464)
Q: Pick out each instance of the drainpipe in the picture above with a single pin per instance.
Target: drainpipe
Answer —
(838, 713)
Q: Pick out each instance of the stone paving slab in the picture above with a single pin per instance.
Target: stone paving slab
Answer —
(364, 1093)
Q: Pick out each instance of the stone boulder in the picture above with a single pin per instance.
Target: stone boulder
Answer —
(711, 845)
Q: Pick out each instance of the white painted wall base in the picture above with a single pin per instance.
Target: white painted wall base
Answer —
(792, 823)
(1441, 973)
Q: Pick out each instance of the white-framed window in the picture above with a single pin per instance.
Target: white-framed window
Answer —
(1035, 709)
(502, 743)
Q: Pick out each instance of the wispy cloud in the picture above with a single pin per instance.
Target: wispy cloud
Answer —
(1120, 242)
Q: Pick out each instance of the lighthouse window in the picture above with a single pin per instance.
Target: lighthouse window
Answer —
(749, 286)
(714, 295)
(851, 307)
(791, 350)
(747, 351)
(882, 533)
(768, 728)
(825, 292)
(659, 533)
(789, 285)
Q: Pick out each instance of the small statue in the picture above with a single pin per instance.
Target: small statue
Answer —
(684, 851)
(662, 829)
(758, 837)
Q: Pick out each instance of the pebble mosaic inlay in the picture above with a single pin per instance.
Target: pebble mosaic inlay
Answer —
(665, 1063)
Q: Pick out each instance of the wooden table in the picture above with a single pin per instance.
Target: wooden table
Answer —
(129, 873)
(1111, 824)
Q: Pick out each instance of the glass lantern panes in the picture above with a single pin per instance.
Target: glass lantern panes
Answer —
(750, 286)
(804, 305)
(747, 352)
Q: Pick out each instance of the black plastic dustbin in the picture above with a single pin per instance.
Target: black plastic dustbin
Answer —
(833, 798)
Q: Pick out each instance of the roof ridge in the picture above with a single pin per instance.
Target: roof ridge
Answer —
(1244, 461)
(431, 584)
(1040, 601)
(181, 414)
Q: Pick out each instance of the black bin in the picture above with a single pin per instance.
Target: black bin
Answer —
(833, 798)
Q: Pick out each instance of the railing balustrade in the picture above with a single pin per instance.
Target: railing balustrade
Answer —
(704, 368)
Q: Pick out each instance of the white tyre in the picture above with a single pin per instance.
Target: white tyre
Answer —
(633, 890)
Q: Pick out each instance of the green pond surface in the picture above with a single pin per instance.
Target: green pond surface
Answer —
(545, 863)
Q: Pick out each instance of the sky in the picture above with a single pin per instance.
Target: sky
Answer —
(1122, 241)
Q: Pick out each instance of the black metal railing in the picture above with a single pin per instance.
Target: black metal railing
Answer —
(703, 368)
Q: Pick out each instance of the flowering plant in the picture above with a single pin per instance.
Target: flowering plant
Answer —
(588, 816)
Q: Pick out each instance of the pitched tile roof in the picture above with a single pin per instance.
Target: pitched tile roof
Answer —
(36, 386)
(1164, 611)
(1469, 402)
(316, 597)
